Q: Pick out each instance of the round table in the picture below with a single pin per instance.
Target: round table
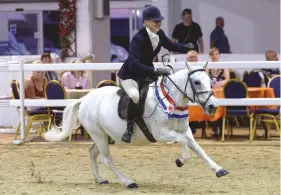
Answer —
(77, 93)
(196, 113)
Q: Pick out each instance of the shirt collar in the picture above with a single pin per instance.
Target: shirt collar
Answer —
(150, 33)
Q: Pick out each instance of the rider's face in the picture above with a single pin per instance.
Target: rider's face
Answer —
(154, 26)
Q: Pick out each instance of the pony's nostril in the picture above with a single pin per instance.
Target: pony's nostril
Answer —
(212, 106)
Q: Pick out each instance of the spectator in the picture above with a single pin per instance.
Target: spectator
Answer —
(188, 32)
(75, 79)
(46, 59)
(218, 76)
(35, 86)
(218, 38)
(192, 56)
(271, 55)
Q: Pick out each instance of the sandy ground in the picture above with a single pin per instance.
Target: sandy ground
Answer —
(66, 169)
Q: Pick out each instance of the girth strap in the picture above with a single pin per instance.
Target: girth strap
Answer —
(145, 130)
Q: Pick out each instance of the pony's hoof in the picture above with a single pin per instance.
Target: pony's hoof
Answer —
(179, 163)
(221, 173)
(104, 182)
(132, 185)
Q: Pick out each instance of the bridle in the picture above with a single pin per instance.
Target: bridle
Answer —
(195, 93)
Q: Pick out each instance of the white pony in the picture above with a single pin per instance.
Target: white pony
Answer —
(97, 112)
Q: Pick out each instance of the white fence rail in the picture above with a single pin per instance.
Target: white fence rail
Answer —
(221, 102)
(19, 66)
(15, 66)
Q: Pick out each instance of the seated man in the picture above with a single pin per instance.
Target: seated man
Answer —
(46, 59)
(271, 55)
(192, 56)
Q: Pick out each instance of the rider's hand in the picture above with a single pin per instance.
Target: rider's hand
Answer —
(161, 71)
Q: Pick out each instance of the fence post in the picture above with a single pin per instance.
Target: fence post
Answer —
(22, 117)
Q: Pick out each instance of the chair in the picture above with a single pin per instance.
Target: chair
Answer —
(106, 83)
(42, 115)
(266, 79)
(245, 74)
(236, 89)
(252, 79)
(55, 90)
(274, 83)
(233, 74)
(268, 115)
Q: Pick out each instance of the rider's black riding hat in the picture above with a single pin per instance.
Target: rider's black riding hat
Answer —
(151, 13)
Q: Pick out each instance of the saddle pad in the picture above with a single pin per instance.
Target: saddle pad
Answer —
(123, 104)
(124, 101)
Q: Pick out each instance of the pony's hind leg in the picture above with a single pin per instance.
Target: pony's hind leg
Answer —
(103, 146)
(94, 153)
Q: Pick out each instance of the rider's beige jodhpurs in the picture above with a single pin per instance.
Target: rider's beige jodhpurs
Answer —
(132, 89)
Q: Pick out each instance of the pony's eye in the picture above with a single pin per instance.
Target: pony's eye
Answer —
(197, 82)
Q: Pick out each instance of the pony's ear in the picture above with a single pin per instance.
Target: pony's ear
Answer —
(187, 65)
(205, 66)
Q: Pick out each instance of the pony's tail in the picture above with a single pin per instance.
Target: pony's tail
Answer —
(70, 115)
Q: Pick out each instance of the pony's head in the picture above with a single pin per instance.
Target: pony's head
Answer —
(198, 89)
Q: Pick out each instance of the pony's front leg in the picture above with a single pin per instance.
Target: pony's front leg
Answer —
(201, 153)
(184, 155)
(170, 135)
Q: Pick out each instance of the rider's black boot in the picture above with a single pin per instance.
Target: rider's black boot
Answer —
(126, 137)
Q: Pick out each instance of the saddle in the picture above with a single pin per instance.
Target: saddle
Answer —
(122, 109)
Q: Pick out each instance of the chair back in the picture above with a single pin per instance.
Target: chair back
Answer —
(266, 79)
(15, 89)
(233, 74)
(16, 92)
(234, 88)
(55, 90)
(253, 79)
(105, 83)
(275, 84)
(245, 74)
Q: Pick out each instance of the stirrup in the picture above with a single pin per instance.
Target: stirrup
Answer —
(126, 137)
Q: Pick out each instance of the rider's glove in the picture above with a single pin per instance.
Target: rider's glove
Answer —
(161, 71)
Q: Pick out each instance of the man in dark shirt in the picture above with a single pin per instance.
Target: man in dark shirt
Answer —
(47, 59)
(218, 38)
(188, 32)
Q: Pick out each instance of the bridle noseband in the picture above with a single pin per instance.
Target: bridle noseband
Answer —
(195, 93)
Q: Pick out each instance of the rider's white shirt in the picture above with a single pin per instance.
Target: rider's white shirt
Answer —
(154, 38)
